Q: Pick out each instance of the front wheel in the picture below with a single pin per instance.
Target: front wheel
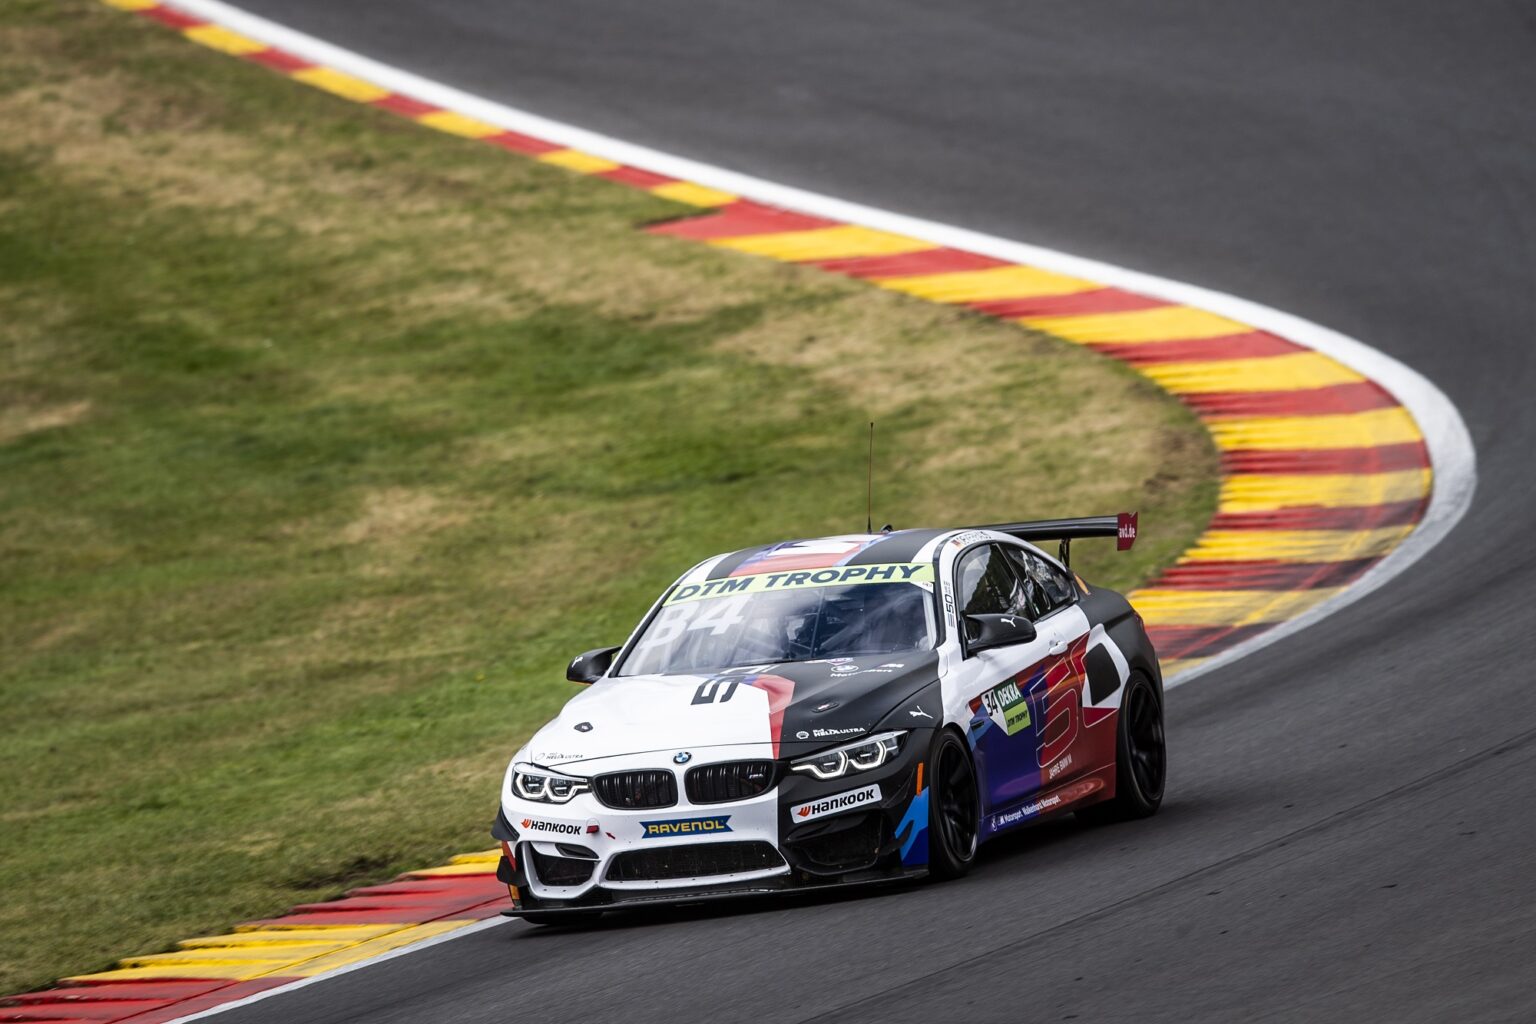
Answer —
(954, 807)
(1141, 758)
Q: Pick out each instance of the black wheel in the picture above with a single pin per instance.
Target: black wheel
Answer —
(1141, 758)
(954, 807)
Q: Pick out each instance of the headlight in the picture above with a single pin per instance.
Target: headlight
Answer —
(859, 756)
(534, 783)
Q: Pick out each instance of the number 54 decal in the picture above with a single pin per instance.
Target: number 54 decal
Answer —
(1053, 689)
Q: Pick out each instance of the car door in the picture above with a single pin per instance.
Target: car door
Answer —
(1004, 727)
(1055, 684)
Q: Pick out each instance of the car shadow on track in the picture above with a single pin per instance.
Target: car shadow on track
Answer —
(1009, 852)
(646, 917)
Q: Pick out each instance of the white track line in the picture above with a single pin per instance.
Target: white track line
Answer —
(469, 929)
(1445, 434)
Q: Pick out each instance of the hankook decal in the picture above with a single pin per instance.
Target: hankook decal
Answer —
(552, 827)
(828, 805)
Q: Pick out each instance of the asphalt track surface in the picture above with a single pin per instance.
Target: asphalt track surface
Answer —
(1351, 818)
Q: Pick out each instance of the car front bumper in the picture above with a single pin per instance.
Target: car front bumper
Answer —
(802, 833)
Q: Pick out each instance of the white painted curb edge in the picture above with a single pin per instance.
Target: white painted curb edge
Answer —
(457, 933)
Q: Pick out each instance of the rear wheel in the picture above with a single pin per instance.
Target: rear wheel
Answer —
(1141, 759)
(954, 807)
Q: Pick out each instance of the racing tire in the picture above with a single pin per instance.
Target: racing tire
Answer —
(954, 807)
(1141, 757)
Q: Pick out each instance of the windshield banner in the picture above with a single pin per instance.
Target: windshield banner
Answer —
(837, 576)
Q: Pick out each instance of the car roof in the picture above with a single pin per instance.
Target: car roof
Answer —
(820, 553)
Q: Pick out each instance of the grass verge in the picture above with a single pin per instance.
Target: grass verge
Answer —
(325, 440)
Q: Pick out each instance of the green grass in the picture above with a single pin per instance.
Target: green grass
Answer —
(325, 440)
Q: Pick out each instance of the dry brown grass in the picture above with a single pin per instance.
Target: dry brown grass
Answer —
(21, 418)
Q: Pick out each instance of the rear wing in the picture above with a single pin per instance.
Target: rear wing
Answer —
(1122, 527)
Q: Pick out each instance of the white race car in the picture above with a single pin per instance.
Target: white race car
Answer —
(834, 712)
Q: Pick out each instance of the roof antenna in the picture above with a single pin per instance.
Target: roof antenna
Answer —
(869, 518)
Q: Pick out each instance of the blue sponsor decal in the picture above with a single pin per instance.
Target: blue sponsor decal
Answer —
(672, 827)
(1029, 812)
(913, 832)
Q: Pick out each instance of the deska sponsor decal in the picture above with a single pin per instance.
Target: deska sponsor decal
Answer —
(1007, 707)
(673, 827)
(836, 804)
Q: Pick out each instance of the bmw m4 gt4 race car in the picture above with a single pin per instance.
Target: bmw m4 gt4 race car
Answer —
(837, 711)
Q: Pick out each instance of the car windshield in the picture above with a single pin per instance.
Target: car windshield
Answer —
(772, 618)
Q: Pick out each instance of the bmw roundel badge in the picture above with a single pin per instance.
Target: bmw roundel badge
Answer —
(682, 757)
(583, 726)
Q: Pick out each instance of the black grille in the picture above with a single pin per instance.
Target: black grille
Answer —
(692, 861)
(731, 780)
(845, 845)
(561, 870)
(651, 788)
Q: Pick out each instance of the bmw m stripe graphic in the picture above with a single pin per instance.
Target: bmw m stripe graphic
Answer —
(780, 692)
(721, 688)
(735, 564)
(898, 546)
(803, 554)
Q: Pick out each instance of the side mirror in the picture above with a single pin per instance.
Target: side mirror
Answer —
(591, 666)
(983, 632)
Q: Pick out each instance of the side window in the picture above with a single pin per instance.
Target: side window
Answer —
(988, 584)
(1048, 586)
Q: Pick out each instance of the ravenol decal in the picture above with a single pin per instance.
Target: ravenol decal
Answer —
(548, 826)
(1007, 706)
(836, 804)
(671, 827)
(895, 572)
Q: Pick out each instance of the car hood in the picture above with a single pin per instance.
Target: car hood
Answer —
(790, 709)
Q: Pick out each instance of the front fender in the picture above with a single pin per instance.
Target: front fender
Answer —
(922, 710)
